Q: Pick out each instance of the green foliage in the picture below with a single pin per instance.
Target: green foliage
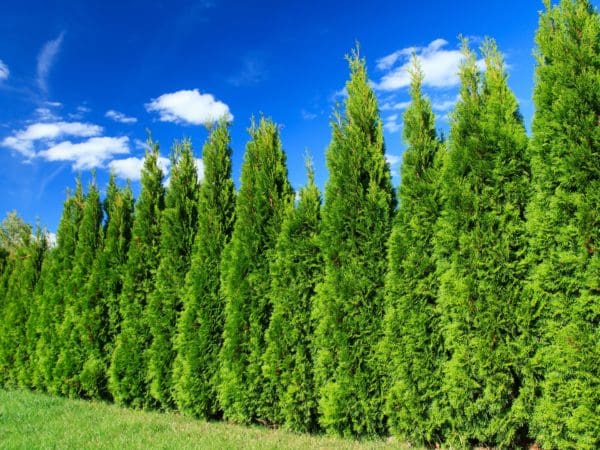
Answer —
(17, 341)
(412, 349)
(200, 327)
(564, 224)
(264, 195)
(359, 202)
(102, 317)
(56, 272)
(480, 248)
(77, 332)
(128, 368)
(295, 271)
(178, 228)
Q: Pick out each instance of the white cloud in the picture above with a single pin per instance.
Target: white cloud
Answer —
(119, 117)
(392, 124)
(54, 104)
(394, 162)
(131, 168)
(4, 72)
(439, 65)
(200, 168)
(444, 104)
(88, 154)
(46, 59)
(388, 106)
(24, 140)
(189, 106)
(306, 115)
(46, 114)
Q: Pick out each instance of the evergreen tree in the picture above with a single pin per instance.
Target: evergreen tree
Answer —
(412, 348)
(56, 271)
(127, 372)
(200, 327)
(359, 203)
(178, 228)
(101, 315)
(564, 224)
(264, 194)
(17, 306)
(295, 271)
(481, 243)
(77, 331)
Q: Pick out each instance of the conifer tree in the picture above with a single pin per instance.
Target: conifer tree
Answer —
(564, 225)
(200, 327)
(481, 246)
(21, 279)
(412, 348)
(178, 228)
(296, 269)
(264, 194)
(56, 271)
(101, 317)
(77, 331)
(127, 372)
(359, 203)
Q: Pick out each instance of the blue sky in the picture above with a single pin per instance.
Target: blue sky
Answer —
(80, 82)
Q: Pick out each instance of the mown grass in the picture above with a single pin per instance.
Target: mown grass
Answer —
(35, 421)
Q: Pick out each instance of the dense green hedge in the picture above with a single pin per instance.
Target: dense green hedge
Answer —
(465, 315)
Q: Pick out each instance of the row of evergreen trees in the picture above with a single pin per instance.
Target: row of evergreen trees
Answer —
(462, 310)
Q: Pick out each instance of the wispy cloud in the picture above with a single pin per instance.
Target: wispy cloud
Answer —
(24, 141)
(253, 70)
(392, 123)
(397, 106)
(89, 154)
(4, 72)
(119, 117)
(394, 162)
(440, 66)
(443, 105)
(307, 115)
(45, 60)
(189, 106)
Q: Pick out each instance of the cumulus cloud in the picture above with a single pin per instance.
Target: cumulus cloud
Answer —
(439, 65)
(119, 117)
(24, 141)
(444, 104)
(200, 168)
(46, 58)
(394, 162)
(399, 106)
(131, 168)
(189, 106)
(91, 153)
(4, 72)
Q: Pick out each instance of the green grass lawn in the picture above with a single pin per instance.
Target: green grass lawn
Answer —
(31, 421)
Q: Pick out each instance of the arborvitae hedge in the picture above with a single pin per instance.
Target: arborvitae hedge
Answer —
(103, 288)
(481, 245)
(128, 368)
(264, 195)
(56, 272)
(359, 202)
(564, 223)
(77, 332)
(200, 327)
(178, 228)
(296, 269)
(412, 349)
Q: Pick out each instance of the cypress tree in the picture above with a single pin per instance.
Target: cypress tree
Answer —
(77, 331)
(564, 224)
(101, 314)
(127, 372)
(412, 346)
(264, 194)
(200, 327)
(359, 203)
(56, 271)
(295, 271)
(481, 243)
(178, 228)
